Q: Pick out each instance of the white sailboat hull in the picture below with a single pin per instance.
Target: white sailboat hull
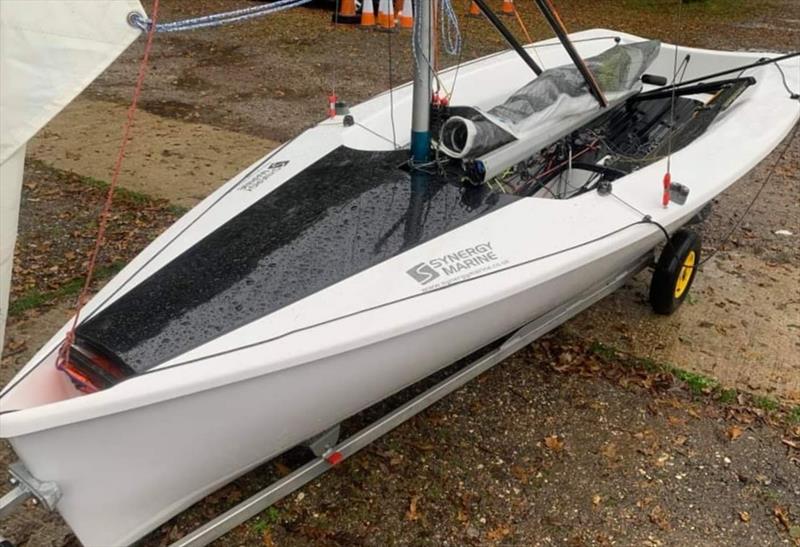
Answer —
(129, 457)
(171, 454)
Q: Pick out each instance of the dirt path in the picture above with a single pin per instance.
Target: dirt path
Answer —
(741, 326)
(167, 158)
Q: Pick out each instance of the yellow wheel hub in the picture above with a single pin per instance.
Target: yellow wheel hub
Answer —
(685, 275)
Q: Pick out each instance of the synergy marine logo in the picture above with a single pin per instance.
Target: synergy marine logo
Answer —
(423, 273)
(456, 266)
(261, 175)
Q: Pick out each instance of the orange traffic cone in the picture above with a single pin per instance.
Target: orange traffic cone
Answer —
(474, 10)
(406, 19)
(346, 13)
(508, 7)
(368, 13)
(386, 15)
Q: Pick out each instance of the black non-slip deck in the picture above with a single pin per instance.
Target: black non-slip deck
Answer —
(348, 211)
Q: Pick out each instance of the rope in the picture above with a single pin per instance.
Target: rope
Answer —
(333, 65)
(106, 210)
(451, 33)
(667, 180)
(746, 211)
(792, 94)
(391, 87)
(214, 20)
(527, 35)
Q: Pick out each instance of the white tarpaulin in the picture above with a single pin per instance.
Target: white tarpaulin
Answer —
(50, 50)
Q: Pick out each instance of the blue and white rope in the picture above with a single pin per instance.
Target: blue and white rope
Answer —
(216, 19)
(451, 33)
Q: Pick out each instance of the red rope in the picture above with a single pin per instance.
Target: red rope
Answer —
(106, 210)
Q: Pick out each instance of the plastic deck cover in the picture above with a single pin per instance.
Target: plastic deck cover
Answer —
(348, 211)
(556, 94)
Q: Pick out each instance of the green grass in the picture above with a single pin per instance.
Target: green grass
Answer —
(264, 522)
(177, 210)
(36, 298)
(697, 383)
(608, 352)
(766, 403)
(728, 396)
(120, 193)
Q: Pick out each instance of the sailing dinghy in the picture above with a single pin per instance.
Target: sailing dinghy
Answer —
(335, 271)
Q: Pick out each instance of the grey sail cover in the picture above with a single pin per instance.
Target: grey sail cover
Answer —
(556, 95)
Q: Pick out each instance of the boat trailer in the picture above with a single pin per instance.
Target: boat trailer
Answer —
(326, 447)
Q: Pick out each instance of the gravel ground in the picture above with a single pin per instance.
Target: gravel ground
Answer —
(568, 442)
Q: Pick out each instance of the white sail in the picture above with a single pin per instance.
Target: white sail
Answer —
(50, 50)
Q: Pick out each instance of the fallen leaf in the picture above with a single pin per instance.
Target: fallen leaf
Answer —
(412, 513)
(282, 469)
(266, 539)
(498, 533)
(315, 533)
(734, 432)
(553, 443)
(674, 420)
(782, 516)
(596, 499)
(609, 451)
(520, 473)
(744, 516)
(659, 517)
(393, 457)
(791, 443)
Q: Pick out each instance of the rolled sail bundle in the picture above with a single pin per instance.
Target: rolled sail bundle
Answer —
(549, 106)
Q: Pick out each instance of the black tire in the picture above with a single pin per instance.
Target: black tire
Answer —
(675, 272)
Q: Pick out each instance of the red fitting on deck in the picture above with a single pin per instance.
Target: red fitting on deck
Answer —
(332, 105)
(334, 458)
(665, 195)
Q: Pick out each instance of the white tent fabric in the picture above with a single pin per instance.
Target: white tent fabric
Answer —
(50, 50)
(10, 186)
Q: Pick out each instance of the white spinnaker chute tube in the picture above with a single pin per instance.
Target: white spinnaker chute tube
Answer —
(50, 50)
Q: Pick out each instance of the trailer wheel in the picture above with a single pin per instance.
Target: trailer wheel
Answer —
(675, 272)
